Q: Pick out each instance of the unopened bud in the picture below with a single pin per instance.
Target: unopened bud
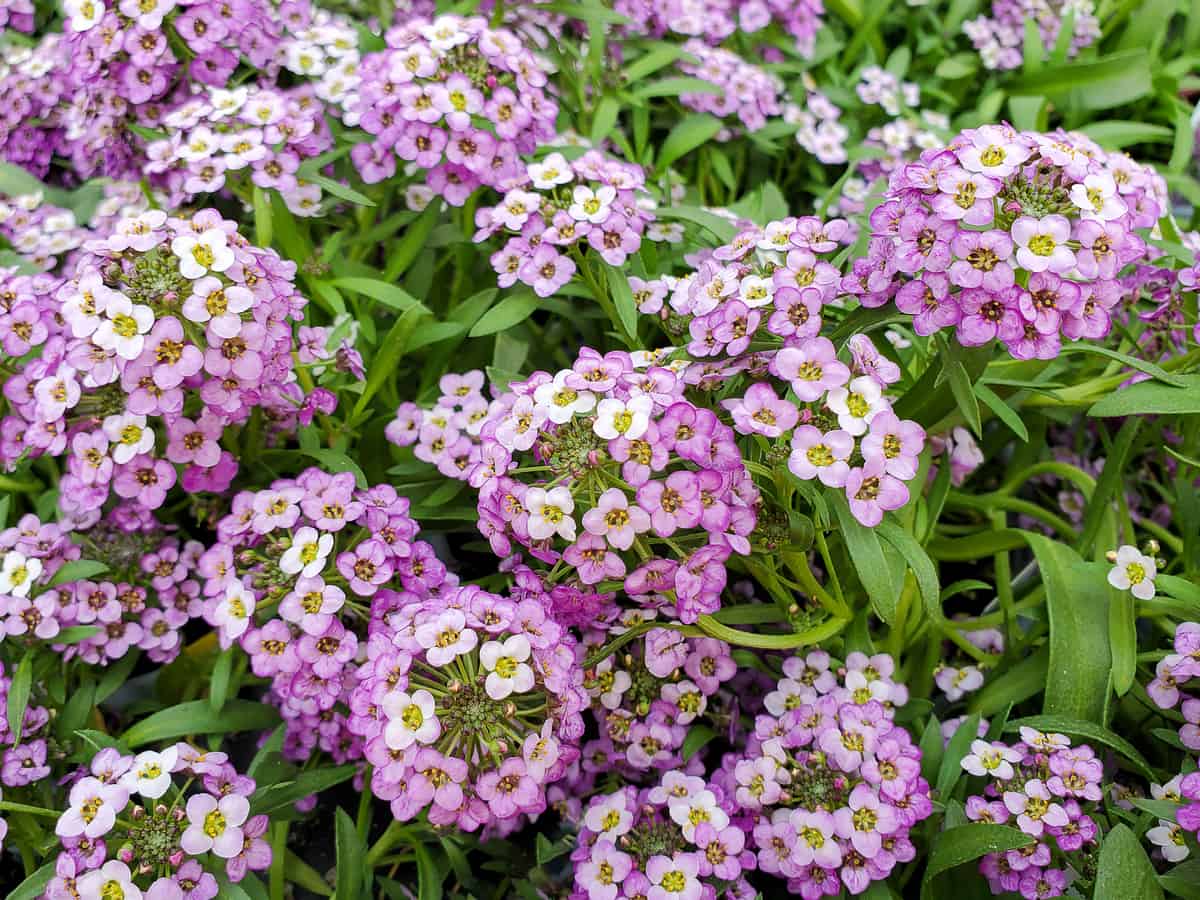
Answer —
(1152, 547)
(161, 809)
(176, 858)
(125, 855)
(138, 813)
(1111, 556)
(510, 709)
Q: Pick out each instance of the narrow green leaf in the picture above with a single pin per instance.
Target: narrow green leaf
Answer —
(18, 695)
(918, 560)
(867, 555)
(673, 87)
(722, 229)
(336, 461)
(388, 294)
(698, 735)
(1088, 731)
(688, 134)
(965, 843)
(660, 56)
(626, 306)
(964, 394)
(604, 119)
(351, 857)
(1077, 682)
(1152, 398)
(1099, 505)
(960, 744)
(1133, 362)
(34, 885)
(263, 230)
(391, 351)
(429, 878)
(1003, 411)
(218, 690)
(196, 717)
(1124, 870)
(510, 311)
(403, 254)
(76, 570)
(273, 797)
(339, 190)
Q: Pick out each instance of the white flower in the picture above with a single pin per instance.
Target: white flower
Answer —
(18, 573)
(148, 14)
(1133, 572)
(1097, 197)
(591, 206)
(616, 418)
(551, 171)
(756, 291)
(560, 402)
(610, 685)
(233, 613)
(418, 196)
(700, 807)
(202, 253)
(857, 404)
(609, 818)
(1168, 837)
(129, 436)
(1046, 742)
(991, 760)
(112, 880)
(550, 513)
(305, 59)
(410, 719)
(85, 14)
(508, 672)
(307, 554)
(151, 773)
(214, 825)
(124, 327)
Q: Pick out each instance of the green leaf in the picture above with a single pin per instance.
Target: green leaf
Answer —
(391, 351)
(18, 695)
(622, 296)
(339, 190)
(1099, 504)
(402, 255)
(336, 461)
(965, 843)
(282, 794)
(1183, 880)
(964, 394)
(351, 857)
(1003, 411)
(1077, 681)
(218, 690)
(510, 311)
(960, 744)
(673, 87)
(76, 570)
(1133, 362)
(931, 749)
(660, 56)
(388, 294)
(76, 634)
(116, 675)
(697, 736)
(1122, 640)
(722, 229)
(78, 707)
(865, 552)
(34, 885)
(429, 878)
(1116, 134)
(688, 134)
(301, 873)
(960, 65)
(263, 231)
(604, 119)
(1124, 870)
(918, 560)
(196, 717)
(1024, 680)
(710, 626)
(1089, 731)
(1114, 80)
(1152, 398)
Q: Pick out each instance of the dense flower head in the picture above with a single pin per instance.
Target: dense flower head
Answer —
(219, 136)
(818, 126)
(468, 705)
(1048, 789)
(158, 824)
(554, 208)
(170, 330)
(1000, 37)
(676, 840)
(142, 600)
(32, 84)
(1009, 235)
(747, 93)
(297, 571)
(715, 20)
(646, 696)
(322, 46)
(1177, 675)
(39, 231)
(831, 784)
(446, 434)
(459, 100)
(607, 476)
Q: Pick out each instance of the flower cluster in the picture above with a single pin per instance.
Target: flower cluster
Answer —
(772, 284)
(674, 841)
(818, 129)
(555, 207)
(646, 696)
(1000, 37)
(323, 47)
(33, 86)
(1045, 787)
(446, 434)
(171, 330)
(468, 705)
(133, 829)
(607, 474)
(143, 599)
(1008, 235)
(832, 784)
(295, 568)
(1170, 836)
(746, 93)
(878, 86)
(459, 100)
(40, 232)
(263, 132)
(1176, 670)
(716, 20)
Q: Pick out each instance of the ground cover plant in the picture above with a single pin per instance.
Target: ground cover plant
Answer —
(647, 449)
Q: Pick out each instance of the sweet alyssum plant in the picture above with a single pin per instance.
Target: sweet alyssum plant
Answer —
(660, 450)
